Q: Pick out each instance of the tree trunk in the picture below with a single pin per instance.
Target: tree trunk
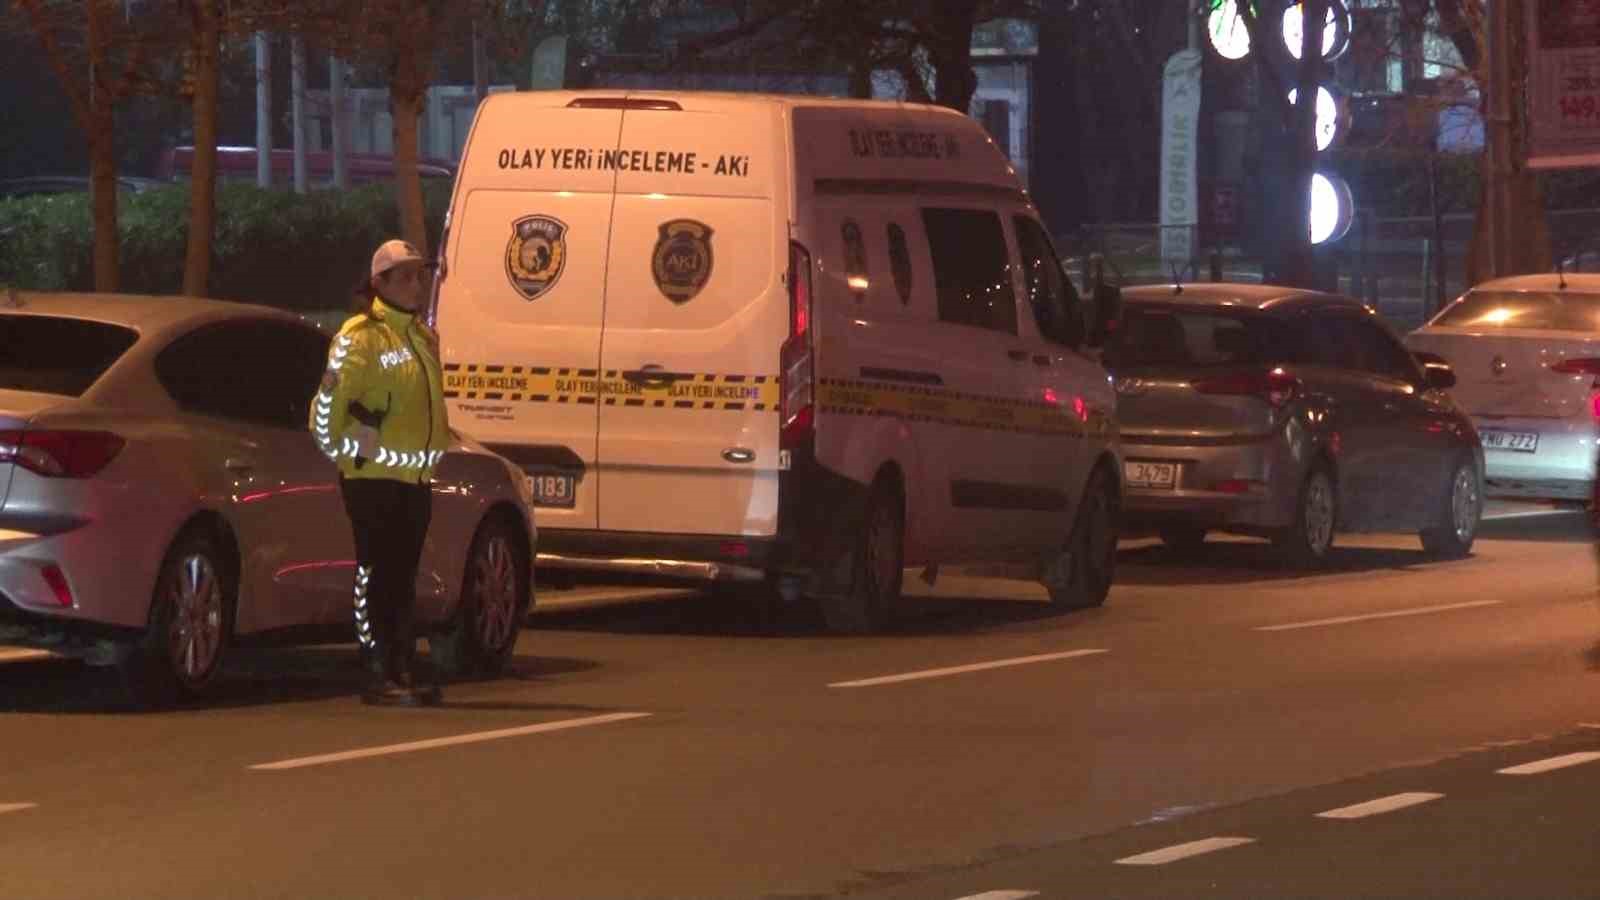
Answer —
(954, 81)
(297, 110)
(861, 76)
(103, 194)
(406, 108)
(203, 180)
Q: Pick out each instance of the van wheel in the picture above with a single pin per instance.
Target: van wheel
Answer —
(494, 601)
(876, 566)
(191, 620)
(1458, 515)
(1081, 574)
(1305, 543)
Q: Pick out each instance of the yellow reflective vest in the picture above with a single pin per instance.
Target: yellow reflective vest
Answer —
(383, 368)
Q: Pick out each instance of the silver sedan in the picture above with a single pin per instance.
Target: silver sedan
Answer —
(161, 498)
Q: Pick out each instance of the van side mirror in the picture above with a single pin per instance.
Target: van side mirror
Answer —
(1437, 375)
(1105, 311)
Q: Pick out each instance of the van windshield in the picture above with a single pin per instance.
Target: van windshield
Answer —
(1187, 337)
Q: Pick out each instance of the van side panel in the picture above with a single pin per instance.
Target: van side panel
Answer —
(696, 312)
(521, 306)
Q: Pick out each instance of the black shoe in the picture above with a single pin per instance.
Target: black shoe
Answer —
(388, 693)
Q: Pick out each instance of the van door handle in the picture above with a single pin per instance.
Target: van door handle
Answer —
(653, 376)
(1017, 355)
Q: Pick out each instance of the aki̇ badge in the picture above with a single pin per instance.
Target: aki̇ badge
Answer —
(536, 254)
(681, 263)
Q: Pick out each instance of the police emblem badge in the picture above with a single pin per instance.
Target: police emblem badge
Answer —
(536, 254)
(681, 263)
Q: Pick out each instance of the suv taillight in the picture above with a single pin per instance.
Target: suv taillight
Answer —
(796, 412)
(60, 453)
(1277, 387)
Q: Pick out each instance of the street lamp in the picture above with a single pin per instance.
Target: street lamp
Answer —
(1335, 29)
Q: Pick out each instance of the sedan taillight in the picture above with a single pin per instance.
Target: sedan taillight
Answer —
(60, 453)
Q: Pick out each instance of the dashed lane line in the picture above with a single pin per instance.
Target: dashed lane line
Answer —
(1184, 851)
(1392, 614)
(16, 807)
(24, 655)
(1550, 765)
(1379, 806)
(962, 670)
(454, 740)
(1001, 895)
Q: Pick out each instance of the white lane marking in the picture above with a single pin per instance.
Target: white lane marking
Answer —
(1379, 806)
(435, 743)
(1551, 764)
(1393, 614)
(15, 807)
(1184, 851)
(21, 655)
(1532, 513)
(1001, 895)
(961, 670)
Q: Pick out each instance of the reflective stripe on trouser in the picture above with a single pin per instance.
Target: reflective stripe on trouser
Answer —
(363, 615)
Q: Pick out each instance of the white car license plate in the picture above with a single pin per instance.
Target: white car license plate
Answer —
(1150, 474)
(1520, 441)
(560, 491)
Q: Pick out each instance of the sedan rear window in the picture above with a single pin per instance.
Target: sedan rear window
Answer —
(1165, 336)
(54, 355)
(1524, 310)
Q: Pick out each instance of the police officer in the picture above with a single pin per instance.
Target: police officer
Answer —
(380, 415)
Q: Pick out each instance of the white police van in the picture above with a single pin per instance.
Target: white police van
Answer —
(791, 339)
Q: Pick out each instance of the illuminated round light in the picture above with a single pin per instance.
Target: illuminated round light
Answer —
(1335, 31)
(1229, 37)
(1332, 208)
(1330, 115)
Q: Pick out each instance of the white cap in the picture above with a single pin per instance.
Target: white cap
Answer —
(392, 254)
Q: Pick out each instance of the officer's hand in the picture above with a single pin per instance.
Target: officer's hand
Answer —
(366, 440)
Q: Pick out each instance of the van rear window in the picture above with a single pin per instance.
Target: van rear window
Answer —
(56, 355)
(1524, 310)
(1165, 336)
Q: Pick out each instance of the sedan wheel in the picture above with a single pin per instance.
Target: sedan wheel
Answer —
(495, 592)
(1459, 516)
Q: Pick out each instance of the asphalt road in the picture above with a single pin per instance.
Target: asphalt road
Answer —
(679, 747)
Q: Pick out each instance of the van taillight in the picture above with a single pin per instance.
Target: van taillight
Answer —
(60, 454)
(439, 273)
(795, 364)
(1277, 387)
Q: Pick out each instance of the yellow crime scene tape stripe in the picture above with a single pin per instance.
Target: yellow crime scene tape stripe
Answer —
(760, 393)
(536, 384)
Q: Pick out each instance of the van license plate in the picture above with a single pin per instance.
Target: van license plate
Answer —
(1519, 441)
(1150, 474)
(560, 491)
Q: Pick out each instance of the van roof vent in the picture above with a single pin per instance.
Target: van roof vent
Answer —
(623, 103)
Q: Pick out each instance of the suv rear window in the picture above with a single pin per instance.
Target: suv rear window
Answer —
(54, 355)
(1165, 336)
(1525, 310)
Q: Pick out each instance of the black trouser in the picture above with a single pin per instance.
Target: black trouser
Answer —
(390, 519)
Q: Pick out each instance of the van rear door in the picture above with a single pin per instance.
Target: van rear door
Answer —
(520, 305)
(696, 313)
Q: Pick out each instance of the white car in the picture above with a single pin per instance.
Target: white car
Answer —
(161, 497)
(1516, 346)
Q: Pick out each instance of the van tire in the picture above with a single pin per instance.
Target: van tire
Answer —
(877, 563)
(1305, 544)
(495, 593)
(1459, 513)
(1080, 576)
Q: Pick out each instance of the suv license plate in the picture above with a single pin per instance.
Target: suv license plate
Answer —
(1150, 474)
(560, 491)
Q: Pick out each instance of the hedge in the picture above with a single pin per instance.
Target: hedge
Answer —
(271, 246)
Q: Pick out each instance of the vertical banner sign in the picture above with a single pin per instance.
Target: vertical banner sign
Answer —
(1180, 119)
(1563, 49)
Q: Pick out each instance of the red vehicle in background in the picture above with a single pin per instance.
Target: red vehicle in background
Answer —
(239, 164)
